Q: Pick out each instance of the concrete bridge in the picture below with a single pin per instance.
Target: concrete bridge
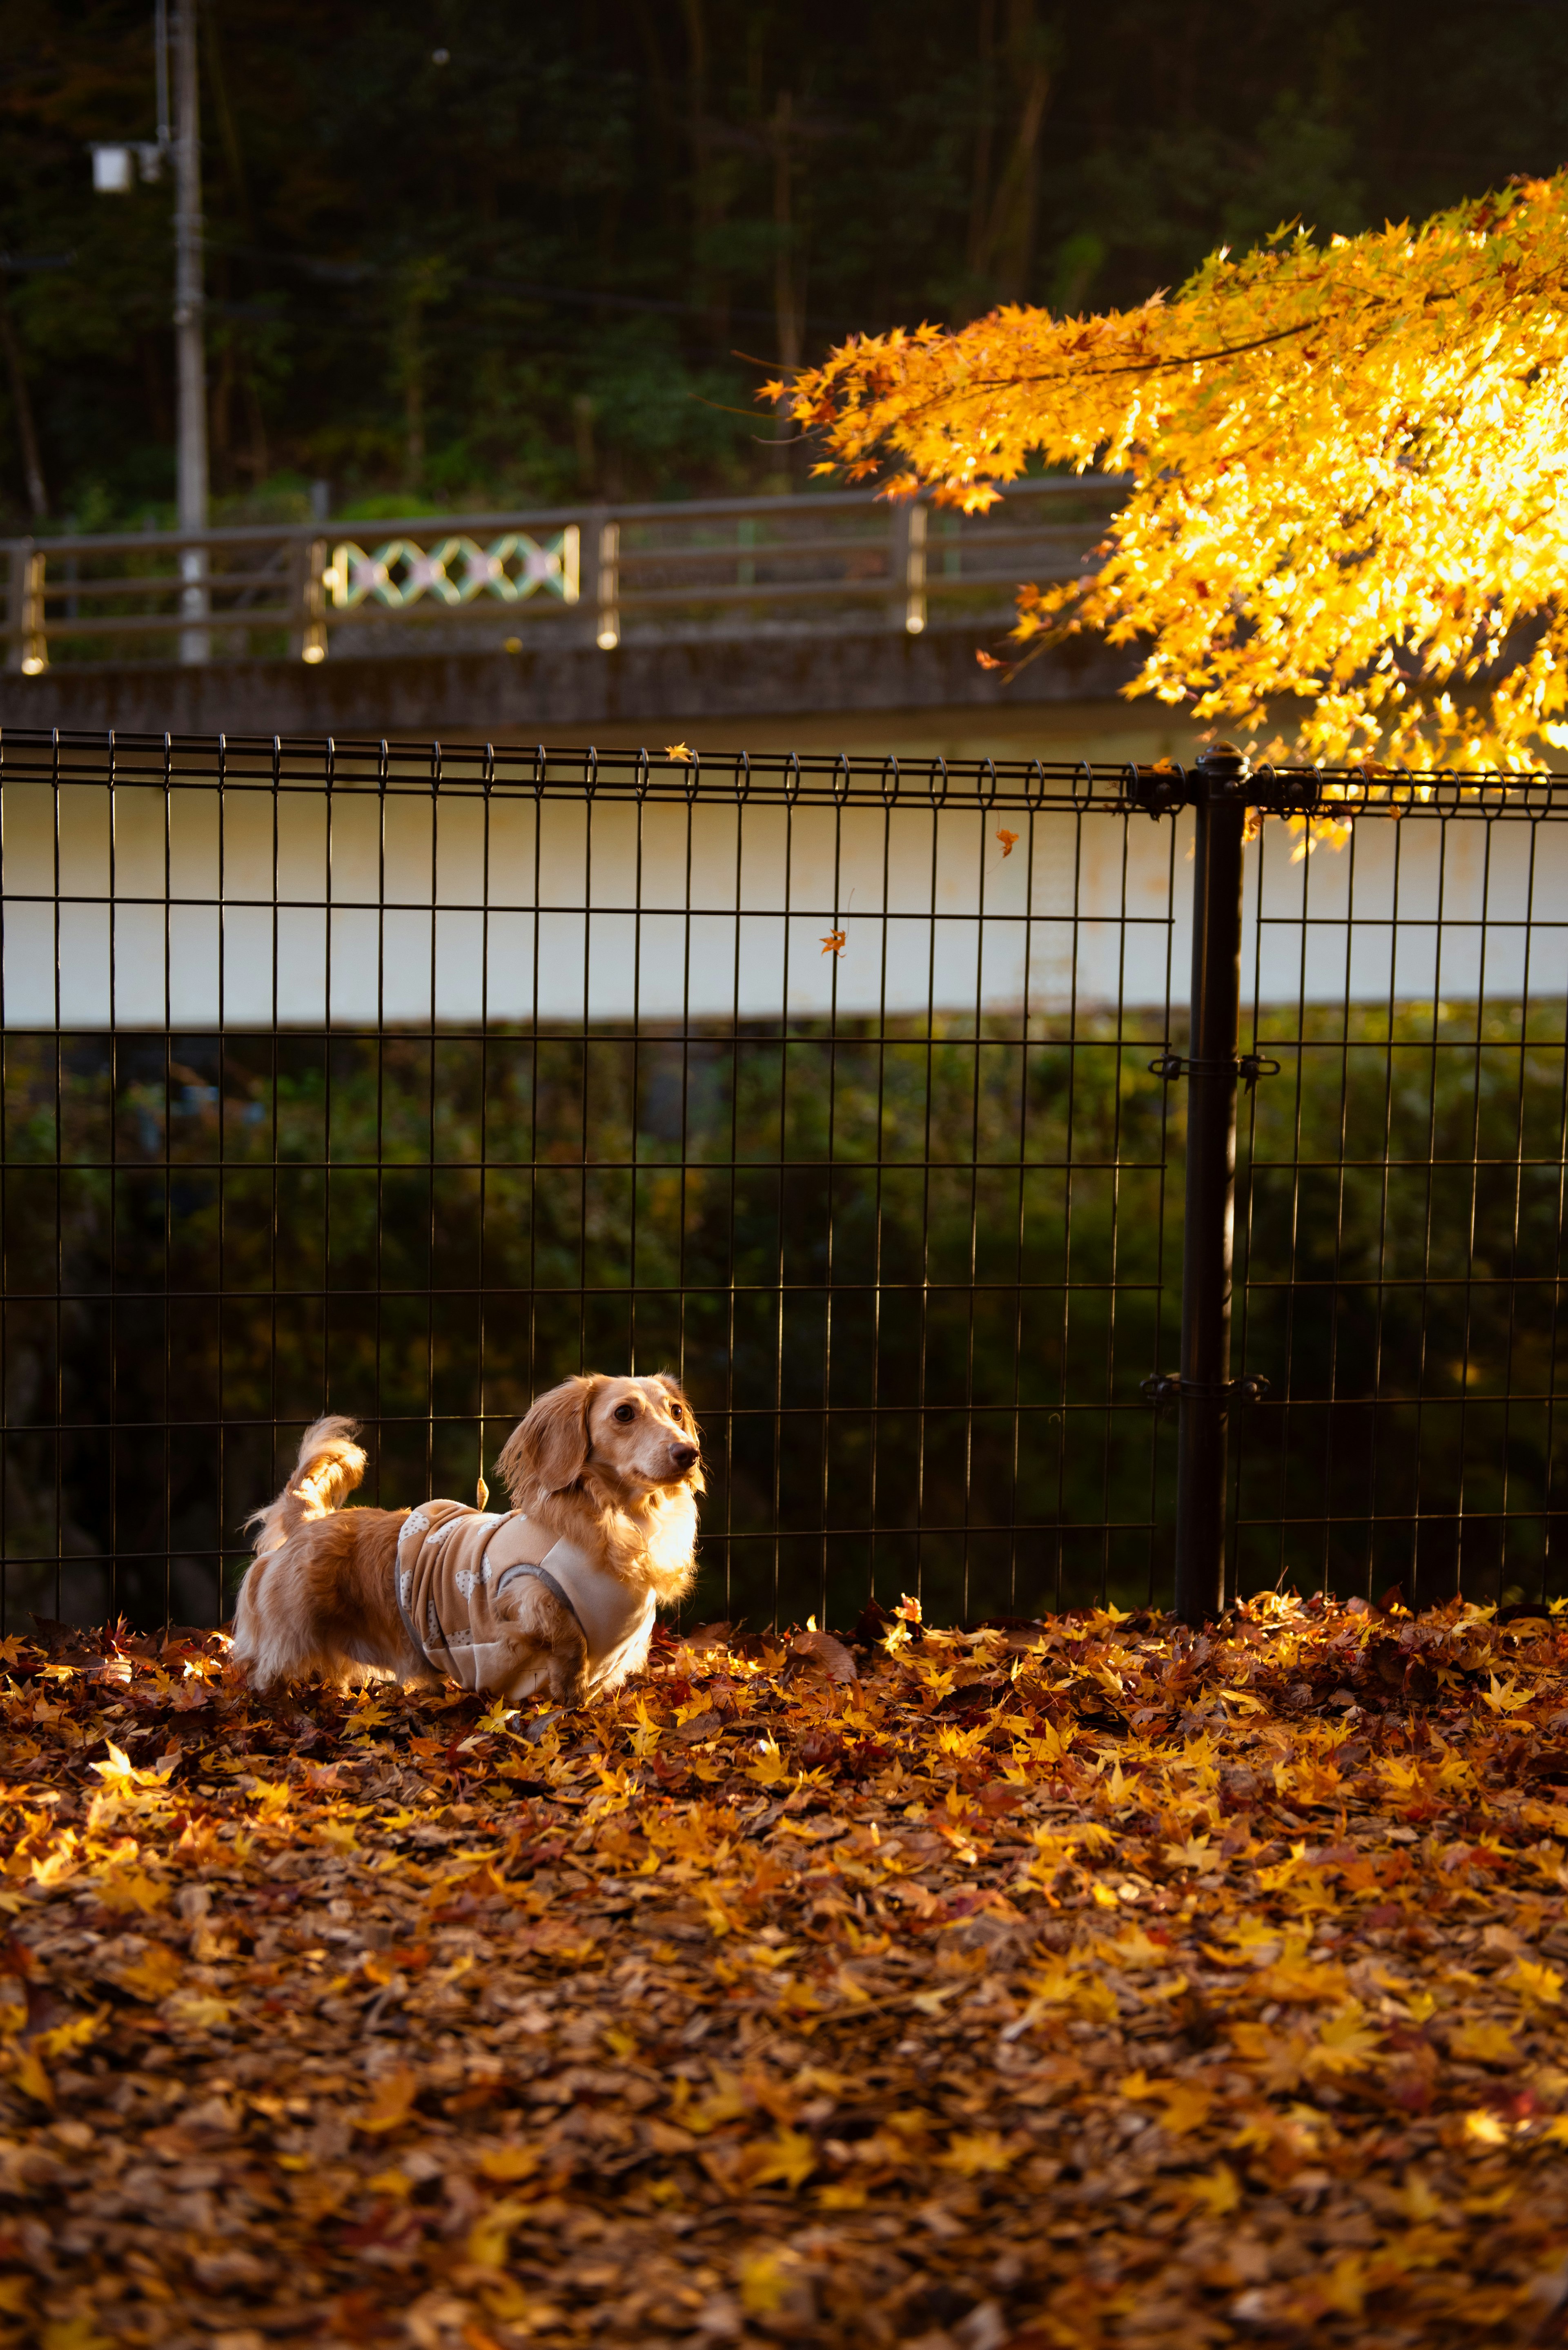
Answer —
(822, 620)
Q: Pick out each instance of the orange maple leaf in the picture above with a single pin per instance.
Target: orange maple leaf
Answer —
(1009, 839)
(834, 942)
(989, 660)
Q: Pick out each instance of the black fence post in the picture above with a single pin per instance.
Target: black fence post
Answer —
(1205, 1389)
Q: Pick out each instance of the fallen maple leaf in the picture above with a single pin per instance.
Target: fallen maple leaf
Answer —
(153, 1976)
(1186, 2107)
(1533, 1982)
(867, 1979)
(827, 1655)
(489, 2237)
(1217, 2190)
(678, 751)
(790, 2156)
(391, 2101)
(1347, 2042)
(1485, 2042)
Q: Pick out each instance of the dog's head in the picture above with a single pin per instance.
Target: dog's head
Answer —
(630, 1438)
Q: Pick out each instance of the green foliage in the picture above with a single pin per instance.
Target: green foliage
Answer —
(486, 253)
(966, 1244)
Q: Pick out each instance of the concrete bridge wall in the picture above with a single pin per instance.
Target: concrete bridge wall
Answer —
(773, 682)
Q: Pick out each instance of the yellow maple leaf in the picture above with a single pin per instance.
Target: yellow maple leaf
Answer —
(1194, 1854)
(1486, 2043)
(1421, 2204)
(789, 2156)
(679, 752)
(1216, 2190)
(1347, 2042)
(974, 2153)
(1532, 1981)
(769, 1768)
(764, 2282)
(120, 1768)
(196, 2011)
(1279, 2059)
(72, 2333)
(153, 1976)
(131, 1888)
(30, 2078)
(1346, 2285)
(1186, 2105)
(490, 2234)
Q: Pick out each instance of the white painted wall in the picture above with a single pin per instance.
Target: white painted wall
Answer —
(186, 914)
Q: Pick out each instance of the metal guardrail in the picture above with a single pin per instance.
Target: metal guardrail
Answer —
(599, 574)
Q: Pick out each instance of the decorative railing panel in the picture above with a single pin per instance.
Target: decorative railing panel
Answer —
(593, 574)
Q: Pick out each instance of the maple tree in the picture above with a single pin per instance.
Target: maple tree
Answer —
(1085, 1981)
(1346, 462)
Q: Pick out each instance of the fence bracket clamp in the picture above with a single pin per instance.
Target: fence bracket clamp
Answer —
(1168, 1387)
(1223, 774)
(1248, 1067)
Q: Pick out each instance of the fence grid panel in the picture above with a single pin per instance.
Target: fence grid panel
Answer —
(401, 1080)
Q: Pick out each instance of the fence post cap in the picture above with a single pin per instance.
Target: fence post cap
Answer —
(1220, 770)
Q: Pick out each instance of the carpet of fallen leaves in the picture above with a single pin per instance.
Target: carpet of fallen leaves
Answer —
(1076, 1984)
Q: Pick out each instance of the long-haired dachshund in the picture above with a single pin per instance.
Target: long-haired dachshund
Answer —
(557, 1594)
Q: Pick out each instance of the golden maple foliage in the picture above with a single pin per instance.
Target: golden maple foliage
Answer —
(1347, 466)
(1084, 1982)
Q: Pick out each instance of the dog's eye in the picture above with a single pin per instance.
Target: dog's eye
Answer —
(624, 1411)
(675, 1411)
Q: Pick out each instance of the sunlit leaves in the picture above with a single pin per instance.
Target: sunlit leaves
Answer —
(1346, 463)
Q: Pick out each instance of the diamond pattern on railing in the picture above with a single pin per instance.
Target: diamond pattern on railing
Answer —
(509, 568)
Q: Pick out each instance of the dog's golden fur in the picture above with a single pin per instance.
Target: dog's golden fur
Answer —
(612, 1465)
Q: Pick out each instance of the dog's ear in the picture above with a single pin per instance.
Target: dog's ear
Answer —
(677, 1394)
(549, 1451)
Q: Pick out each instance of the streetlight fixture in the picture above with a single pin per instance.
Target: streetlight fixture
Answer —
(112, 174)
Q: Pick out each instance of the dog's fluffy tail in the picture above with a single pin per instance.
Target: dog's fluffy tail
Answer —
(330, 1465)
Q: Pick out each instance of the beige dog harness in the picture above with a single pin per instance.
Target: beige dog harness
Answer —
(453, 1566)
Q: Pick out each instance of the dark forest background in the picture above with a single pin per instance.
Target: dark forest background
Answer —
(469, 251)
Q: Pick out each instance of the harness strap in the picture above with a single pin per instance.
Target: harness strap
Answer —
(420, 1645)
(415, 1642)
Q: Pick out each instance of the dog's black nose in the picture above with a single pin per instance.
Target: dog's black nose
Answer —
(683, 1455)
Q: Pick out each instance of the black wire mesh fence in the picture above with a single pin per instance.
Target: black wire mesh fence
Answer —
(402, 1081)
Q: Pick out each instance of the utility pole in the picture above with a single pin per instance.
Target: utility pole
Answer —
(189, 340)
(114, 168)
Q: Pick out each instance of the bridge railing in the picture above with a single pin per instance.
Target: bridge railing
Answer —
(597, 575)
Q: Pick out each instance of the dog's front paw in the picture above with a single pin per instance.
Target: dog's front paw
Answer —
(569, 1681)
